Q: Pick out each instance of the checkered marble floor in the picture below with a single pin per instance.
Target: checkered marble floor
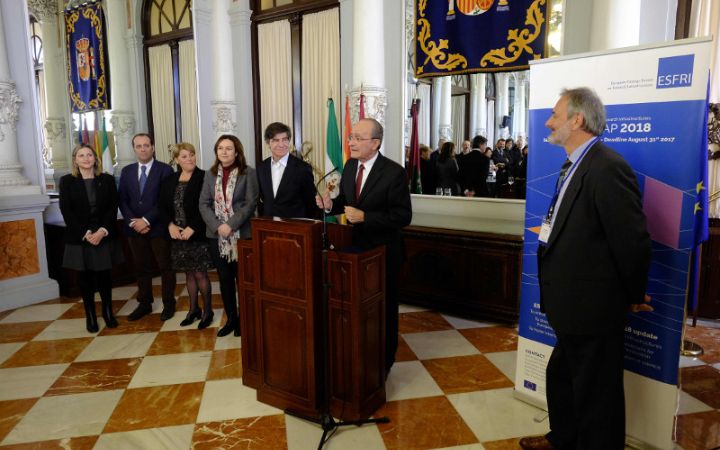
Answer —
(151, 385)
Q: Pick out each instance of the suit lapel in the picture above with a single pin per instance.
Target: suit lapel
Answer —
(287, 175)
(134, 181)
(571, 193)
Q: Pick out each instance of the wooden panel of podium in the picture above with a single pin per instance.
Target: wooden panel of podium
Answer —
(280, 291)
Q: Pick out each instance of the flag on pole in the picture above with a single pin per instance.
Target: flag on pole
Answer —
(85, 135)
(701, 227)
(107, 162)
(97, 140)
(361, 114)
(80, 131)
(413, 167)
(347, 129)
(333, 147)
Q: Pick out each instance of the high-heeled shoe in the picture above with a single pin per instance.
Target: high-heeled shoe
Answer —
(230, 327)
(205, 322)
(190, 318)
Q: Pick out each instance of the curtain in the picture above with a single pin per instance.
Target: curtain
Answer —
(458, 120)
(423, 93)
(163, 107)
(705, 21)
(188, 93)
(320, 81)
(275, 66)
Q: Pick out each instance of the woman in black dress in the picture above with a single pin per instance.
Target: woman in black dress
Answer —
(89, 204)
(189, 250)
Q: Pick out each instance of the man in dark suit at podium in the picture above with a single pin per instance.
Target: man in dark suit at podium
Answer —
(375, 198)
(286, 183)
(593, 261)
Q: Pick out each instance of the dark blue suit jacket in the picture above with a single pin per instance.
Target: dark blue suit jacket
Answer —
(134, 205)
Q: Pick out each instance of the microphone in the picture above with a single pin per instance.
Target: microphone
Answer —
(317, 185)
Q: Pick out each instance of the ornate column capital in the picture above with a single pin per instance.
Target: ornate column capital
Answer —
(224, 117)
(239, 15)
(375, 103)
(9, 108)
(44, 10)
(123, 123)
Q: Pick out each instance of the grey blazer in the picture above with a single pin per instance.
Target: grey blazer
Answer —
(244, 202)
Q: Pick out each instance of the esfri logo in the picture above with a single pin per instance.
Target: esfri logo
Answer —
(675, 71)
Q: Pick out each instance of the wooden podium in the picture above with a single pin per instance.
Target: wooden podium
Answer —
(280, 291)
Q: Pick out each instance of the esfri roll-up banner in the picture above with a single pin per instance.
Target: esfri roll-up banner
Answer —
(655, 97)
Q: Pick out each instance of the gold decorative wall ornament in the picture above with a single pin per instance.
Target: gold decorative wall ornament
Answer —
(435, 51)
(519, 41)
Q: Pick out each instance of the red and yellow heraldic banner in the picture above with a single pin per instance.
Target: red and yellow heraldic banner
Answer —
(88, 71)
(469, 36)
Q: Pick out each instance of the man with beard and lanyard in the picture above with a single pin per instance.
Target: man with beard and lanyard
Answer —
(593, 262)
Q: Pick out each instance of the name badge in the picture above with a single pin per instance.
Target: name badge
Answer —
(545, 230)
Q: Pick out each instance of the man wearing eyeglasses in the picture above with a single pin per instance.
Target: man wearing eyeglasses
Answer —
(375, 198)
(286, 183)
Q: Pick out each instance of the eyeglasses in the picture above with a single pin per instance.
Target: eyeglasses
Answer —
(354, 137)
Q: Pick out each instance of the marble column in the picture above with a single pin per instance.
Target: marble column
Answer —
(435, 118)
(57, 140)
(478, 105)
(240, 14)
(23, 264)
(519, 109)
(368, 60)
(223, 104)
(12, 181)
(123, 116)
(445, 111)
(501, 104)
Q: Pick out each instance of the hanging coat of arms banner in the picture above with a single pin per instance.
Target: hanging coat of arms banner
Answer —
(469, 36)
(87, 63)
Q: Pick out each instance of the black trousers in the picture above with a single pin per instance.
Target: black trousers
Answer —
(227, 273)
(145, 250)
(585, 392)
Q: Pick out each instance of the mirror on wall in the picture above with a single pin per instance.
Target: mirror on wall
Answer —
(483, 113)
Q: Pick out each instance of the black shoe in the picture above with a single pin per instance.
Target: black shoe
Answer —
(190, 318)
(204, 323)
(91, 324)
(110, 322)
(141, 311)
(108, 316)
(168, 312)
(229, 328)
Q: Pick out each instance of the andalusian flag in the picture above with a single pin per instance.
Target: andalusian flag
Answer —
(334, 149)
(107, 162)
(97, 139)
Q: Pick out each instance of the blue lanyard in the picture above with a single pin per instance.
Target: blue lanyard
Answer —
(560, 185)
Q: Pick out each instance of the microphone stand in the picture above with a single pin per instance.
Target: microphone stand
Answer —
(326, 421)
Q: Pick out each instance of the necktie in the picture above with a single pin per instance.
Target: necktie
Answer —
(563, 171)
(143, 178)
(358, 182)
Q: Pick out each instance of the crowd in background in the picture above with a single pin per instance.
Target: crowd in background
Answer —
(475, 169)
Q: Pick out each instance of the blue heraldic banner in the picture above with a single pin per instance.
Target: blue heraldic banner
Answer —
(469, 36)
(88, 72)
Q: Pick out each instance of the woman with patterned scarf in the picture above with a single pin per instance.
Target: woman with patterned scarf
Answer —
(227, 202)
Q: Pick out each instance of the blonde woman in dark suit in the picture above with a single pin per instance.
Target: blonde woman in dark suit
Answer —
(227, 202)
(89, 205)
